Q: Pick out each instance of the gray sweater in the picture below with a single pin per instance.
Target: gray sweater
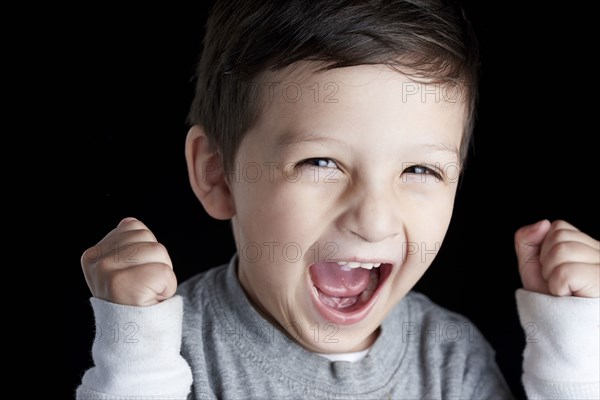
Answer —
(231, 352)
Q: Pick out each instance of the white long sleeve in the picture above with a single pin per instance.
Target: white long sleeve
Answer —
(562, 352)
(136, 353)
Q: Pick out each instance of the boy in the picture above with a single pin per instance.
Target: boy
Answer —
(330, 134)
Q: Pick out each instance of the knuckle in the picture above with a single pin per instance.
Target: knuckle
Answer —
(559, 224)
(560, 252)
(134, 224)
(104, 265)
(141, 235)
(158, 250)
(90, 256)
(137, 235)
(562, 274)
(560, 235)
(157, 246)
(164, 270)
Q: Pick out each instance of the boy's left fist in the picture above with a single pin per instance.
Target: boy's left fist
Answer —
(558, 259)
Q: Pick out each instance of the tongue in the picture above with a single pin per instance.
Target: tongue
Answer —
(333, 281)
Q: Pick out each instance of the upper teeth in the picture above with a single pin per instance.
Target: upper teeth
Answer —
(354, 264)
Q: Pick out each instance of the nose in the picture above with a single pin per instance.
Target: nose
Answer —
(372, 215)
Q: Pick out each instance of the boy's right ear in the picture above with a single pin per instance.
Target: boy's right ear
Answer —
(205, 170)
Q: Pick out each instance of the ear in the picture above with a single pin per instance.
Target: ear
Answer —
(205, 171)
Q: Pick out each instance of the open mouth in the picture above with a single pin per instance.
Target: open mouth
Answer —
(345, 291)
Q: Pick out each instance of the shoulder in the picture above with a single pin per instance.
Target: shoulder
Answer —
(440, 330)
(196, 290)
(424, 310)
(187, 287)
(449, 343)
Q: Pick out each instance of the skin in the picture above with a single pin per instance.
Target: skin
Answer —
(370, 197)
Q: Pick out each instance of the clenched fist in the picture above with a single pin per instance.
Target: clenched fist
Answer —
(128, 266)
(558, 259)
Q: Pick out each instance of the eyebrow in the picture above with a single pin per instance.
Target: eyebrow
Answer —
(440, 148)
(290, 139)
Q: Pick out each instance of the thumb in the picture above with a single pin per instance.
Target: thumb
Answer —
(528, 242)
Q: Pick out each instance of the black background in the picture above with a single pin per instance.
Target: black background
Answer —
(532, 158)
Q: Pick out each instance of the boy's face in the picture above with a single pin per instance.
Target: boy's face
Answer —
(353, 164)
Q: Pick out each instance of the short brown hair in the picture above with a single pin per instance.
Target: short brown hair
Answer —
(431, 38)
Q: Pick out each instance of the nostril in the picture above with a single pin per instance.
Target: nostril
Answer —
(372, 238)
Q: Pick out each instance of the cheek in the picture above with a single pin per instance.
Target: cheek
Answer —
(275, 224)
(426, 227)
(277, 210)
(439, 218)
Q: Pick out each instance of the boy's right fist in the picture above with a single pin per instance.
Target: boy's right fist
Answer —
(128, 266)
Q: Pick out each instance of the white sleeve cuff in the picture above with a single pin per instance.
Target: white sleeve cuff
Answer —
(562, 348)
(137, 351)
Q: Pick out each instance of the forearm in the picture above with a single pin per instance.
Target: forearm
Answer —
(136, 353)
